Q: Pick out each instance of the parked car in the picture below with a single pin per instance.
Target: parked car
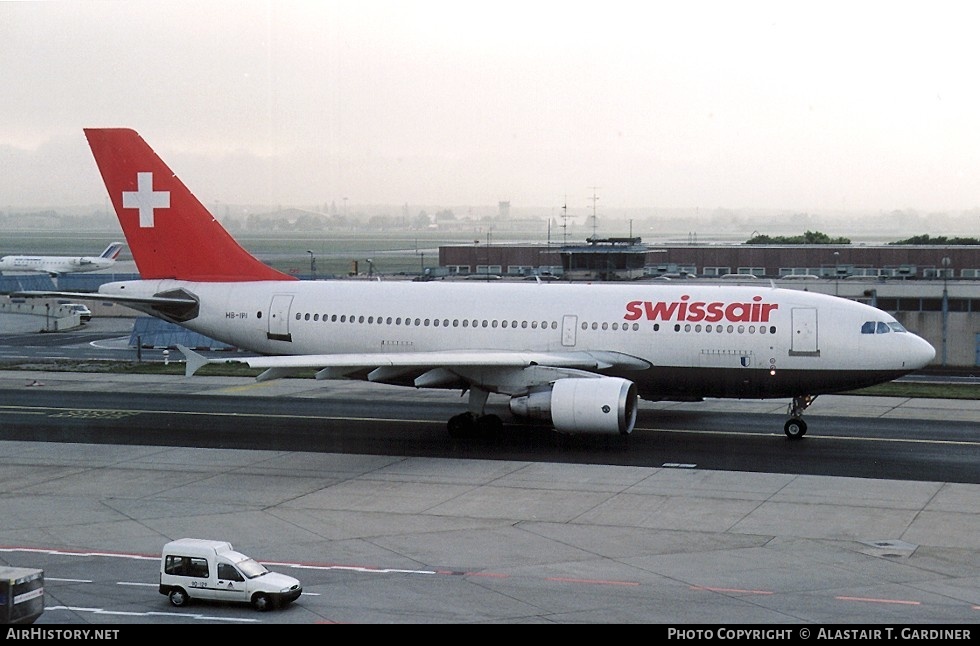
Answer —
(195, 568)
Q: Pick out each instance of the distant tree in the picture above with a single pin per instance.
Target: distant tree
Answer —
(925, 239)
(809, 237)
(422, 220)
(386, 222)
(309, 222)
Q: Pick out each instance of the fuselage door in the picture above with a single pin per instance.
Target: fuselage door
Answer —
(279, 317)
(804, 343)
(569, 323)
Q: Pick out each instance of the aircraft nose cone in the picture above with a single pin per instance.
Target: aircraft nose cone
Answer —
(922, 353)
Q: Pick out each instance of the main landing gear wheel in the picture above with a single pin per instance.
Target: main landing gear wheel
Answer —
(461, 425)
(467, 425)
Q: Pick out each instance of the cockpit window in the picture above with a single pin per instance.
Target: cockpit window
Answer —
(880, 327)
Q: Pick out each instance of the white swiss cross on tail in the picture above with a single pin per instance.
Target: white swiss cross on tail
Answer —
(145, 199)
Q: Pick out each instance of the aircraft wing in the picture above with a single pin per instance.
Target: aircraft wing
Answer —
(506, 371)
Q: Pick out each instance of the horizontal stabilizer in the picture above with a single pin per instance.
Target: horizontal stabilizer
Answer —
(108, 298)
(194, 361)
(175, 306)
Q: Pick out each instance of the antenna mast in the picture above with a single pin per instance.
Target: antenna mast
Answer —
(595, 199)
(564, 222)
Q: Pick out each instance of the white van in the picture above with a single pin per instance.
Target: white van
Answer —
(202, 569)
(84, 313)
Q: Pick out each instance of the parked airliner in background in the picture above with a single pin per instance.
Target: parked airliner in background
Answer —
(58, 265)
(577, 356)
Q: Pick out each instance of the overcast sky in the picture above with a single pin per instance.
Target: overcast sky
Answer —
(809, 106)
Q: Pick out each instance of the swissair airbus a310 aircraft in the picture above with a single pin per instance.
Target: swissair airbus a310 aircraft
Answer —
(57, 265)
(576, 356)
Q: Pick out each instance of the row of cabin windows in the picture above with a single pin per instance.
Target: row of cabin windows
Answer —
(380, 320)
(607, 326)
(534, 325)
(687, 328)
(731, 329)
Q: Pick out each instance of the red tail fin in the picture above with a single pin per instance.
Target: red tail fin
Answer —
(170, 233)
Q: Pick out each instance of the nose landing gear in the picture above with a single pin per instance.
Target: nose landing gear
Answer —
(795, 427)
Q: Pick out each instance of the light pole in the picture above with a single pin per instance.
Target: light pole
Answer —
(312, 263)
(945, 263)
(836, 273)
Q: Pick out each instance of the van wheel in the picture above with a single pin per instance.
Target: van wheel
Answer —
(178, 597)
(261, 602)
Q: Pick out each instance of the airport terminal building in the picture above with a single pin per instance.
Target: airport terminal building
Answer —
(629, 258)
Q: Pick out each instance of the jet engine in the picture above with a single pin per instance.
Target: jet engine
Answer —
(583, 405)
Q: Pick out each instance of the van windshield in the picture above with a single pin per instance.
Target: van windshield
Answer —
(251, 568)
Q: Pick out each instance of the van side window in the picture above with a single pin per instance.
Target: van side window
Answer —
(186, 566)
(197, 568)
(176, 565)
(227, 572)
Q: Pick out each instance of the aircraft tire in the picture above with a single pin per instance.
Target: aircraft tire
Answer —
(489, 426)
(795, 428)
(461, 426)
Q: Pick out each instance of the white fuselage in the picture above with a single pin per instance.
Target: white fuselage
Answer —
(699, 340)
(54, 264)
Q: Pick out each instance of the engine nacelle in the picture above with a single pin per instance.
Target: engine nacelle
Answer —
(583, 405)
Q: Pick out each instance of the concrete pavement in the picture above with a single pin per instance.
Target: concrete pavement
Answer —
(829, 548)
